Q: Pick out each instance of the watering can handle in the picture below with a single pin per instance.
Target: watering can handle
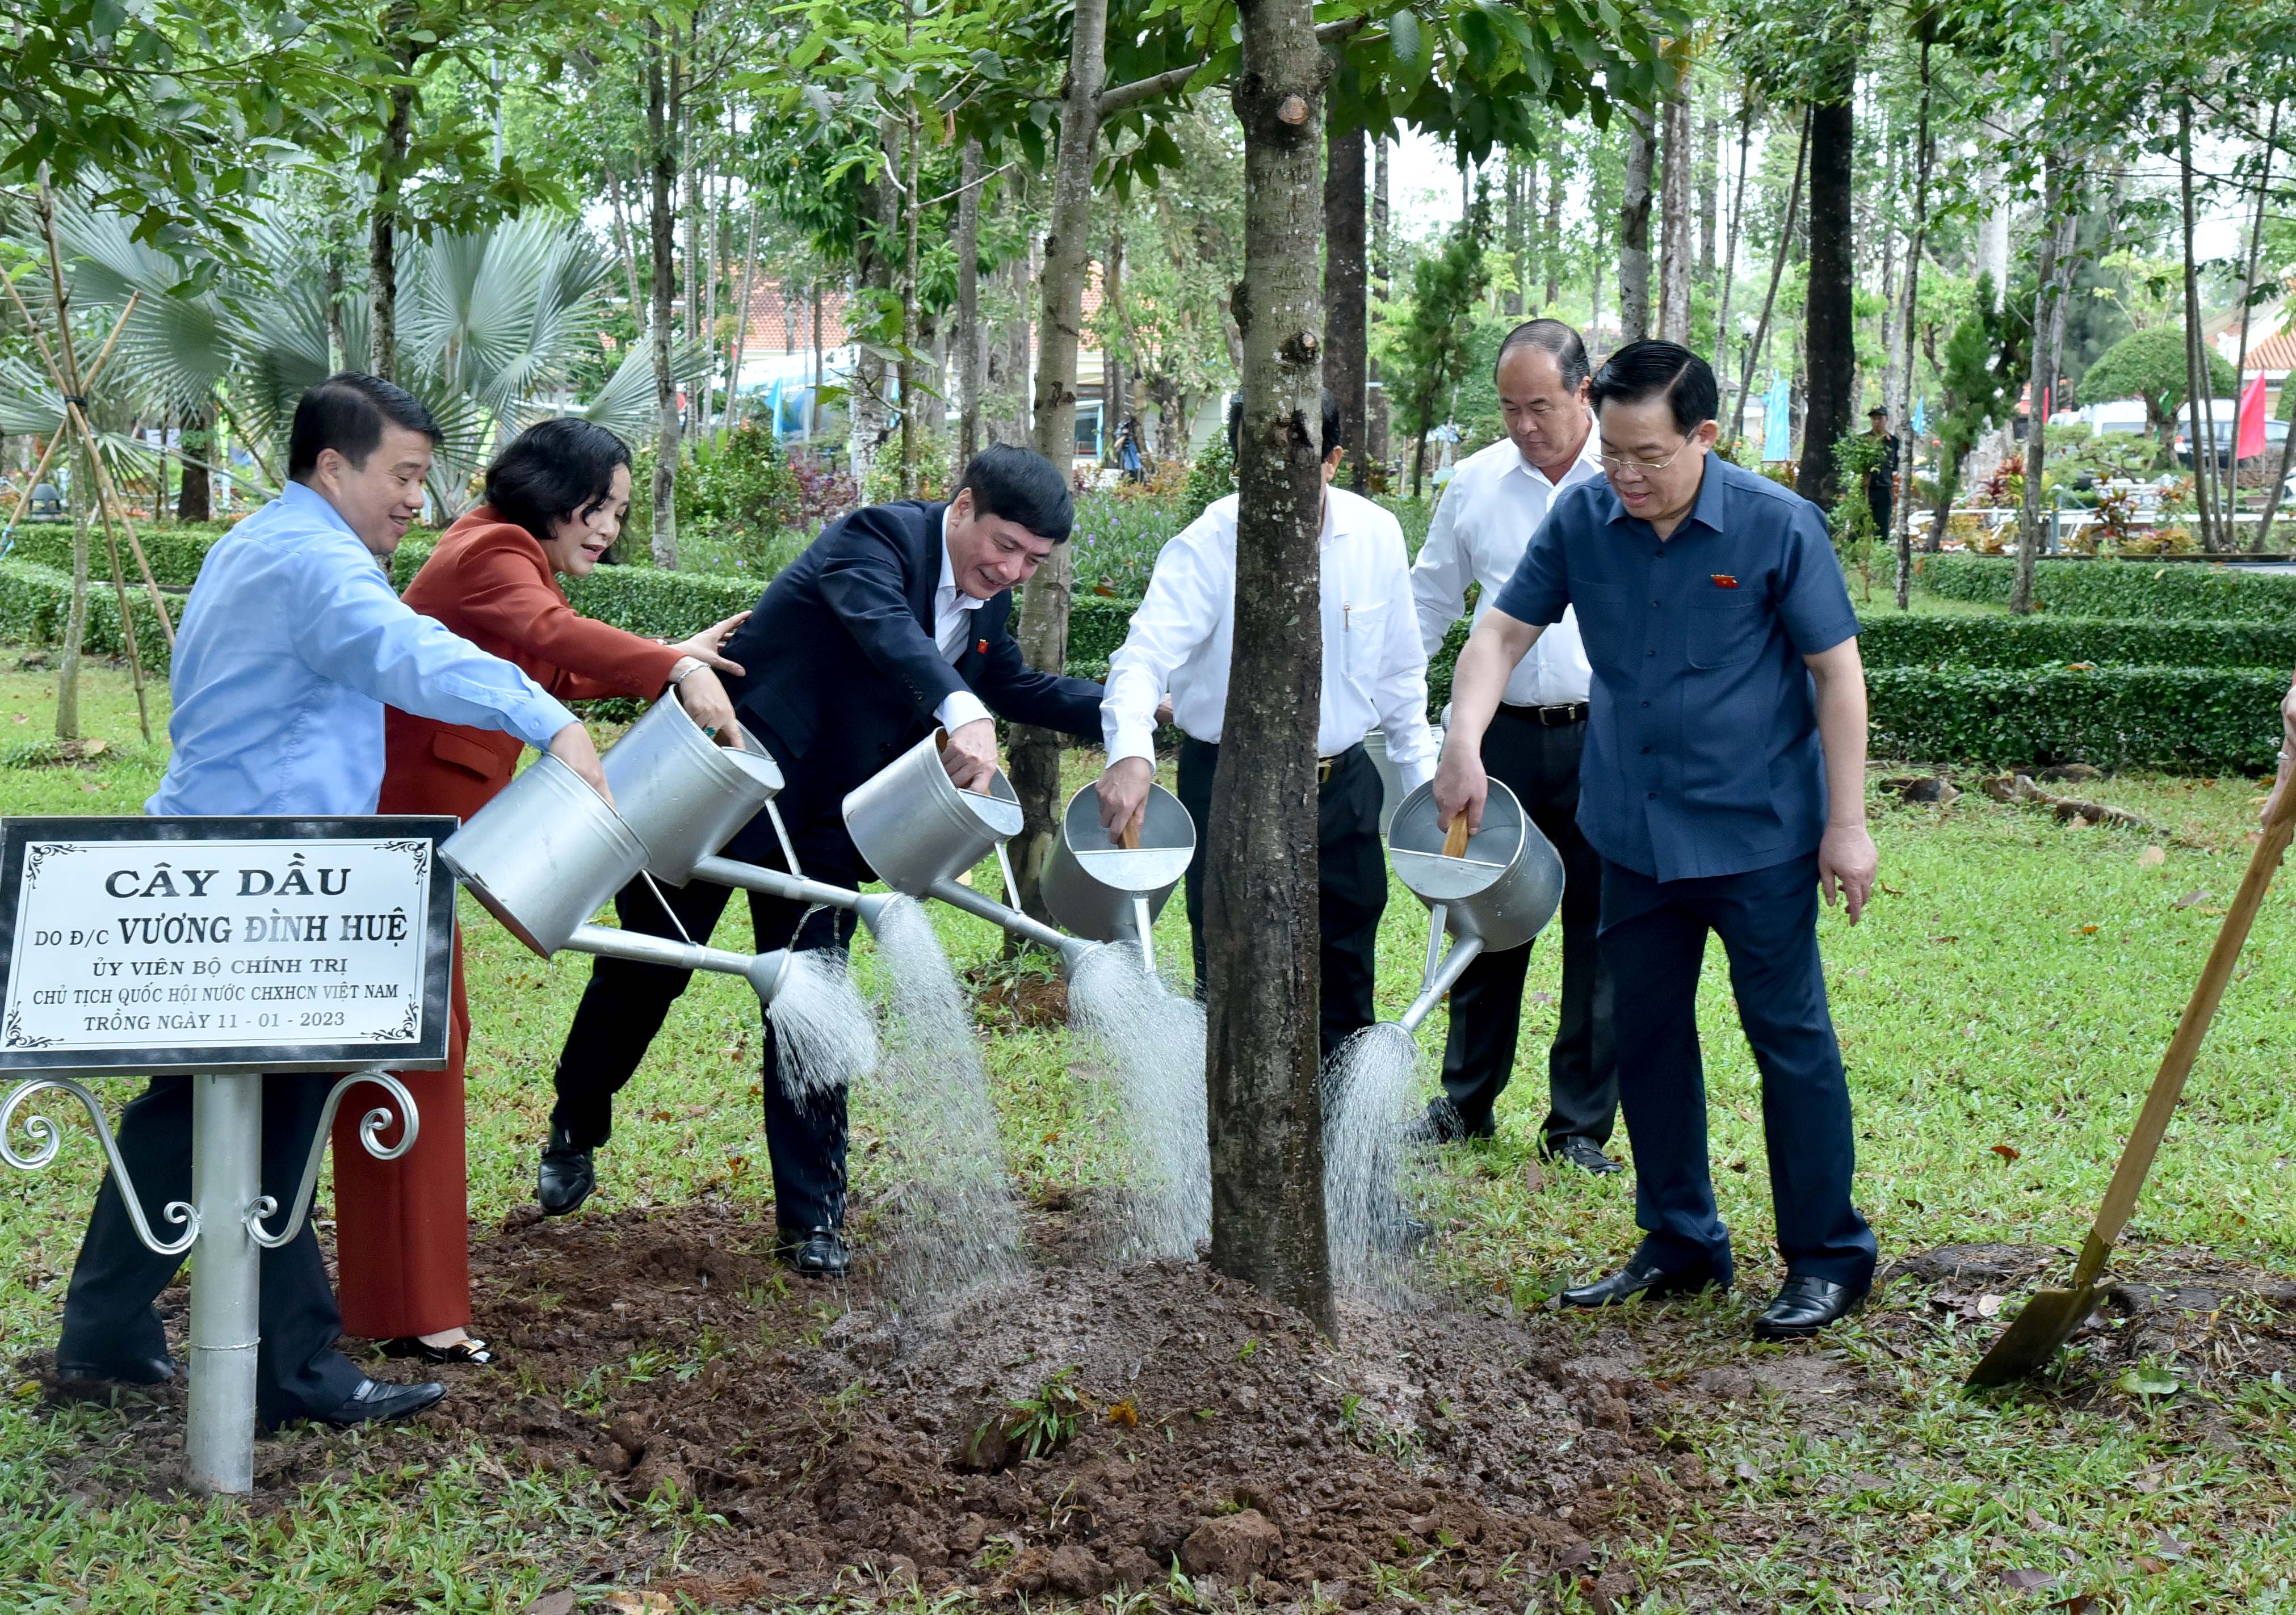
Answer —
(1454, 840)
(2185, 1047)
(1129, 837)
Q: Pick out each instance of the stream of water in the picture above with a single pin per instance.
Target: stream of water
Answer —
(957, 1222)
(1369, 1104)
(824, 1035)
(1153, 1038)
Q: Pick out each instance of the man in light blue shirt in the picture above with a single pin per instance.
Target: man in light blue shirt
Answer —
(292, 645)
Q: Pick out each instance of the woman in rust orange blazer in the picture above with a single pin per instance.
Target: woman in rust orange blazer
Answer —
(554, 501)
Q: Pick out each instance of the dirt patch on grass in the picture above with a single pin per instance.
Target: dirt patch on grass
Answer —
(1085, 1431)
(1005, 999)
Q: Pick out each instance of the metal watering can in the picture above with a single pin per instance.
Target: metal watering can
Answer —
(919, 832)
(547, 853)
(1495, 892)
(686, 797)
(1102, 889)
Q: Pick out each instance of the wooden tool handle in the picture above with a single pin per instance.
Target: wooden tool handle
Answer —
(1454, 840)
(1129, 837)
(2185, 1047)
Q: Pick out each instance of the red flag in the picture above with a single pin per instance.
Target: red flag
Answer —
(2251, 441)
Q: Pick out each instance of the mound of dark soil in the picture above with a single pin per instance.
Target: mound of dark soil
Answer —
(1086, 1430)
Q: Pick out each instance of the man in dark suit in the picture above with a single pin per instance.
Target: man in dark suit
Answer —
(897, 620)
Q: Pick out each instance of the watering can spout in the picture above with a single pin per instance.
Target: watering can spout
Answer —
(767, 972)
(1441, 979)
(871, 907)
(764, 972)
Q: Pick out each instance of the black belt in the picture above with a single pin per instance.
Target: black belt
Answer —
(1561, 715)
(1326, 767)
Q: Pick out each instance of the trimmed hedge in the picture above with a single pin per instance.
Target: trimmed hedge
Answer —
(642, 599)
(36, 603)
(2188, 720)
(2176, 590)
(1892, 641)
(175, 552)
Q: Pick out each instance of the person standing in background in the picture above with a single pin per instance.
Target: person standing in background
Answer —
(1488, 515)
(1881, 479)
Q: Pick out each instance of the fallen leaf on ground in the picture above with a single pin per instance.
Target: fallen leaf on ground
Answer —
(2088, 930)
(561, 1603)
(2151, 1566)
(2027, 1582)
(2147, 859)
(1534, 1177)
(2150, 1383)
(2007, 1151)
(1989, 1306)
(638, 1603)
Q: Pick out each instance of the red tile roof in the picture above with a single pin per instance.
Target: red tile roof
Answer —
(2274, 353)
(780, 319)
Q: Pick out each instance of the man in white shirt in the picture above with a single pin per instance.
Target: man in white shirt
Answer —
(1374, 676)
(1496, 502)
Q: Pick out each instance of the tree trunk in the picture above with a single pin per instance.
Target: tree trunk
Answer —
(2247, 295)
(1510, 299)
(967, 345)
(911, 404)
(1633, 228)
(1901, 513)
(741, 329)
(83, 491)
(868, 406)
(338, 347)
(665, 106)
(1710, 185)
(1777, 271)
(1675, 223)
(2045, 289)
(1376, 446)
(2200, 387)
(1347, 335)
(692, 215)
(625, 245)
(1730, 246)
(813, 397)
(1829, 325)
(1551, 238)
(1115, 387)
(1044, 635)
(192, 498)
(382, 236)
(1005, 415)
(1260, 931)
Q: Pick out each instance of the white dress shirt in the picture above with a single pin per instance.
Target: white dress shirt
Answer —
(1481, 529)
(1374, 672)
(953, 610)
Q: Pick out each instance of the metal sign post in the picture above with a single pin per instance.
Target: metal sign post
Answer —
(225, 949)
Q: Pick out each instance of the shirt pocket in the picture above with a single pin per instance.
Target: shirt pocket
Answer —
(1363, 642)
(1723, 633)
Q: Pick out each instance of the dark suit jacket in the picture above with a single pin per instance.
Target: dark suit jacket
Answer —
(841, 674)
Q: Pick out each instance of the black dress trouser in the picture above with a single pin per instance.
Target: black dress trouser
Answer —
(1350, 883)
(1541, 765)
(625, 1003)
(108, 1312)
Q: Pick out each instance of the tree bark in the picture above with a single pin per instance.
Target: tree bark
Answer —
(625, 245)
(1376, 445)
(868, 406)
(2046, 284)
(2200, 387)
(1730, 246)
(1633, 228)
(194, 499)
(383, 233)
(742, 328)
(1710, 185)
(967, 345)
(338, 347)
(911, 401)
(1551, 238)
(1901, 513)
(1346, 314)
(665, 109)
(1777, 272)
(1263, 1065)
(1510, 299)
(1115, 390)
(1043, 634)
(1829, 324)
(1675, 223)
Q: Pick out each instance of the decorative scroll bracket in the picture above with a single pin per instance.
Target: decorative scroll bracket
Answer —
(371, 1127)
(47, 1138)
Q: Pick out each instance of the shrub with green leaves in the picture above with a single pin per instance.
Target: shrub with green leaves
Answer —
(2132, 587)
(1892, 641)
(2190, 720)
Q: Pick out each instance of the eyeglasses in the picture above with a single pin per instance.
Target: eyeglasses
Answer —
(1626, 465)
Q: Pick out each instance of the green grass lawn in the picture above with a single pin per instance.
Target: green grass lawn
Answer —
(2001, 1009)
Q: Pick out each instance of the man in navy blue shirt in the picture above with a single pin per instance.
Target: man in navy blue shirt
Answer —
(1723, 785)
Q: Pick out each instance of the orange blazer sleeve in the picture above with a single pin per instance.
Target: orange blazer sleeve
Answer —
(498, 594)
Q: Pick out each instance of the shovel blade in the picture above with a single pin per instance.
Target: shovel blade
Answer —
(2027, 1345)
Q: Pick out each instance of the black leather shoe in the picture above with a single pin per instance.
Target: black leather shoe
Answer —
(1584, 1153)
(1641, 1278)
(376, 1400)
(1806, 1304)
(567, 1176)
(128, 1371)
(816, 1253)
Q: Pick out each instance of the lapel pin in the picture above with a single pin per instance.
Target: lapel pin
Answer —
(982, 647)
(1722, 580)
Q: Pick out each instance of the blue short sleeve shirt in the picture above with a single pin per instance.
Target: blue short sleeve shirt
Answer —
(1703, 754)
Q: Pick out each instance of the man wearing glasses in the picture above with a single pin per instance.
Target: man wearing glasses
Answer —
(1533, 747)
(1724, 786)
